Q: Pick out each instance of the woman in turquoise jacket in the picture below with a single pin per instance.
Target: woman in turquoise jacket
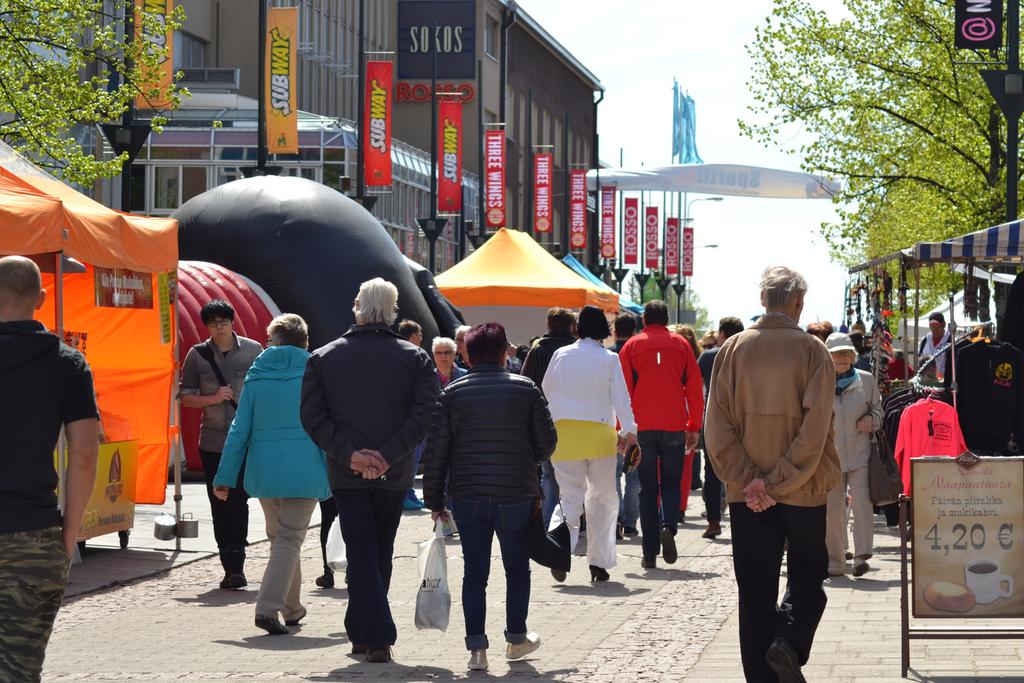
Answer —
(283, 467)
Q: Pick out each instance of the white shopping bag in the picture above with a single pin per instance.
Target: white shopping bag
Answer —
(336, 559)
(433, 601)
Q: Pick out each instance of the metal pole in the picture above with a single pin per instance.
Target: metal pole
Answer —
(565, 195)
(433, 137)
(528, 195)
(917, 314)
(129, 112)
(261, 87)
(904, 594)
(1012, 122)
(360, 99)
(480, 161)
(622, 219)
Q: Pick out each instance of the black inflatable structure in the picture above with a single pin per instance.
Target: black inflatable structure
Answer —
(309, 247)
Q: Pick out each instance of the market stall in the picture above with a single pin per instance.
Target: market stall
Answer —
(513, 280)
(118, 310)
(625, 303)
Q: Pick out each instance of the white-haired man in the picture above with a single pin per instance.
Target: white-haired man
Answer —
(367, 398)
(768, 431)
(43, 385)
(461, 356)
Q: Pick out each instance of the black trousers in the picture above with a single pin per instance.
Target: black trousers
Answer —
(757, 542)
(712, 491)
(328, 513)
(369, 522)
(231, 516)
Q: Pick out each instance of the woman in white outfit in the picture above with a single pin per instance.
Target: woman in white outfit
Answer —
(586, 394)
(858, 412)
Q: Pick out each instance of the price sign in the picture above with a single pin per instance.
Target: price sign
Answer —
(968, 553)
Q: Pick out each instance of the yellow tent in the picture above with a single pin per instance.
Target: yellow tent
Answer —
(514, 281)
(511, 269)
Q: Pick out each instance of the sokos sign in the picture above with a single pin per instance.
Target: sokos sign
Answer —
(445, 26)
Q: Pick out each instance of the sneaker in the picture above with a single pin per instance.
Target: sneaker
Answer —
(630, 531)
(478, 660)
(379, 655)
(783, 660)
(860, 567)
(271, 625)
(520, 650)
(649, 562)
(668, 546)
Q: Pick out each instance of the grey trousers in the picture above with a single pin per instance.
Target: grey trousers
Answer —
(287, 521)
(856, 482)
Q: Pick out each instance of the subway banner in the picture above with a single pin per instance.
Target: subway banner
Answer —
(671, 246)
(578, 208)
(449, 172)
(494, 168)
(630, 230)
(542, 162)
(688, 252)
(377, 150)
(651, 237)
(978, 24)
(608, 222)
(154, 41)
(282, 106)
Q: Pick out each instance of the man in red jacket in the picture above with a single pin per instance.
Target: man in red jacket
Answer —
(666, 389)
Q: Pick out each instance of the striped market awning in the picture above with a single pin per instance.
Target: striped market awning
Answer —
(999, 243)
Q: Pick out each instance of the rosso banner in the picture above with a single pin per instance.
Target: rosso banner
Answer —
(688, 252)
(608, 222)
(282, 107)
(449, 174)
(152, 41)
(979, 24)
(671, 246)
(578, 208)
(651, 237)
(377, 150)
(542, 192)
(630, 231)
(494, 151)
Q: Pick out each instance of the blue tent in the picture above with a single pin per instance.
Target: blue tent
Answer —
(581, 270)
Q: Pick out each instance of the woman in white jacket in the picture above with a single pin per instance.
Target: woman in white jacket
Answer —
(587, 393)
(858, 412)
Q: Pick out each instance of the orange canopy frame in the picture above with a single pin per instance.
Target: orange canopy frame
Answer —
(130, 350)
(512, 269)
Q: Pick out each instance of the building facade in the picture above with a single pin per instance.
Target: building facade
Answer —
(507, 63)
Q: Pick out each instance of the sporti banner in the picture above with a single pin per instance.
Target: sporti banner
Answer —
(151, 41)
(542, 162)
(671, 246)
(494, 169)
(282, 108)
(688, 252)
(377, 150)
(630, 231)
(651, 237)
(449, 173)
(607, 222)
(978, 24)
(578, 208)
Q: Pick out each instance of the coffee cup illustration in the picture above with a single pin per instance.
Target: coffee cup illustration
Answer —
(985, 581)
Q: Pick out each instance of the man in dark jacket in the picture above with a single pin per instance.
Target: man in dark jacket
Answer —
(367, 398)
(490, 430)
(561, 331)
(45, 384)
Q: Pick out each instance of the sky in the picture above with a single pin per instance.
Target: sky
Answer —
(636, 53)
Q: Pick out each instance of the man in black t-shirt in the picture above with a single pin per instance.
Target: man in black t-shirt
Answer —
(45, 385)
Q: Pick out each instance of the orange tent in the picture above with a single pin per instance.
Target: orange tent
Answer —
(130, 350)
(511, 269)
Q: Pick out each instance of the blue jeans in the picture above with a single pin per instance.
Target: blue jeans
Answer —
(629, 503)
(479, 519)
(369, 522)
(661, 473)
(549, 489)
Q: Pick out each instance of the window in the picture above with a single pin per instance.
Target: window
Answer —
(166, 186)
(193, 182)
(492, 39)
(189, 51)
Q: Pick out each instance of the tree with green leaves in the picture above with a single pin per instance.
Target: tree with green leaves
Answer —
(876, 95)
(64, 65)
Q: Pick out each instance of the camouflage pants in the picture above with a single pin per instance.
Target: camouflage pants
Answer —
(33, 573)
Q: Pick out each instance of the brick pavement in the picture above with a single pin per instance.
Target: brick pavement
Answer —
(673, 624)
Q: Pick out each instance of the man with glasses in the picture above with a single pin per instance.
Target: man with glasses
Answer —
(211, 379)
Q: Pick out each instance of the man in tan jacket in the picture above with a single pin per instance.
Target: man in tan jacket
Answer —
(768, 431)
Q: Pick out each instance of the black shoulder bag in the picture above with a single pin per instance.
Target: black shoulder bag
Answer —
(206, 352)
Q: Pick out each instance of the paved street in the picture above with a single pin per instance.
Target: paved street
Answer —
(677, 623)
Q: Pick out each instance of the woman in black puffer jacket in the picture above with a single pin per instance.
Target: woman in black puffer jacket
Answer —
(490, 432)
